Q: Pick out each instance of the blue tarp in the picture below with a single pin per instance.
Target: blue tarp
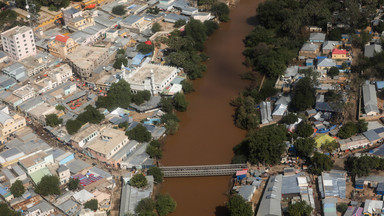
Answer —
(139, 57)
(321, 57)
(380, 84)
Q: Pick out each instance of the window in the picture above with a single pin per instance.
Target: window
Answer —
(23, 35)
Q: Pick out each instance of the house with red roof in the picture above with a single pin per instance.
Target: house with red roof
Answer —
(61, 46)
(339, 54)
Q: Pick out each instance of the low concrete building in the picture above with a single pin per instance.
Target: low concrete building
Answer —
(372, 50)
(14, 173)
(9, 124)
(108, 144)
(370, 100)
(309, 50)
(41, 209)
(36, 161)
(86, 134)
(64, 174)
(271, 198)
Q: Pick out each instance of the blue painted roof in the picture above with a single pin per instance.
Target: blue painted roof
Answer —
(380, 84)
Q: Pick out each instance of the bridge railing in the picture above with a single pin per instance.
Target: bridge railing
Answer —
(203, 170)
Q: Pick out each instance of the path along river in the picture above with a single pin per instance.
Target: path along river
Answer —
(207, 133)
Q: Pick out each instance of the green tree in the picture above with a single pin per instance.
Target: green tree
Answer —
(210, 27)
(156, 27)
(166, 104)
(139, 133)
(271, 153)
(187, 86)
(320, 163)
(362, 126)
(119, 10)
(48, 185)
(169, 116)
(154, 152)
(145, 205)
(141, 96)
(238, 159)
(92, 204)
(119, 95)
(165, 204)
(91, 115)
(52, 120)
(120, 60)
(180, 103)
(289, 119)
(17, 188)
(145, 48)
(73, 184)
(6, 211)
(172, 126)
(300, 208)
(303, 129)
(237, 206)
(245, 115)
(329, 146)
(335, 34)
(123, 125)
(305, 147)
(179, 23)
(342, 208)
(195, 30)
(303, 95)
(221, 10)
(154, 10)
(334, 71)
(138, 181)
(347, 130)
(73, 126)
(60, 107)
(157, 174)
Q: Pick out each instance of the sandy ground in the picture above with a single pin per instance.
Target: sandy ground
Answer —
(139, 116)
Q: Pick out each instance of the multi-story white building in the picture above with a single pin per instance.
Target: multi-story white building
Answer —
(25, 92)
(151, 77)
(19, 42)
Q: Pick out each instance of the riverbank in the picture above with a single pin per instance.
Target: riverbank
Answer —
(207, 134)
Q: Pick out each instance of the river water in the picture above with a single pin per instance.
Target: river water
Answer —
(207, 133)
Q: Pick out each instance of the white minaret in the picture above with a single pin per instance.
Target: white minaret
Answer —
(122, 71)
(153, 82)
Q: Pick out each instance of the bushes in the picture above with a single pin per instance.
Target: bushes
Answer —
(119, 10)
(138, 181)
(52, 120)
(139, 133)
(156, 27)
(179, 23)
(145, 48)
(180, 103)
(91, 204)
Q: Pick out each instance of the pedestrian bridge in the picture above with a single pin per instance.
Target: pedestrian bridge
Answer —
(203, 170)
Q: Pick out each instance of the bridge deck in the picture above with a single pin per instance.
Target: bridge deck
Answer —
(204, 170)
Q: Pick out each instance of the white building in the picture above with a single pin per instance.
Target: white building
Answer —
(25, 92)
(64, 174)
(60, 74)
(19, 42)
(36, 161)
(151, 77)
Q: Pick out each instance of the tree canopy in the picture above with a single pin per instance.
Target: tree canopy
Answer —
(119, 10)
(165, 204)
(60, 107)
(303, 129)
(362, 166)
(290, 118)
(156, 27)
(153, 149)
(139, 133)
(146, 48)
(141, 96)
(265, 145)
(180, 103)
(304, 147)
(92, 204)
(48, 185)
(320, 163)
(73, 184)
(6, 211)
(347, 130)
(138, 181)
(245, 114)
(73, 126)
(157, 174)
(333, 71)
(179, 23)
(145, 206)
(187, 86)
(17, 188)
(237, 206)
(303, 95)
(300, 208)
(52, 120)
(91, 115)
(119, 95)
(221, 10)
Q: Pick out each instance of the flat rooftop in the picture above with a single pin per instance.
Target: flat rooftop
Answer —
(85, 56)
(105, 146)
(160, 73)
(16, 30)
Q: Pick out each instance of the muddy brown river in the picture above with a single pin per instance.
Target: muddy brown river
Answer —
(207, 133)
